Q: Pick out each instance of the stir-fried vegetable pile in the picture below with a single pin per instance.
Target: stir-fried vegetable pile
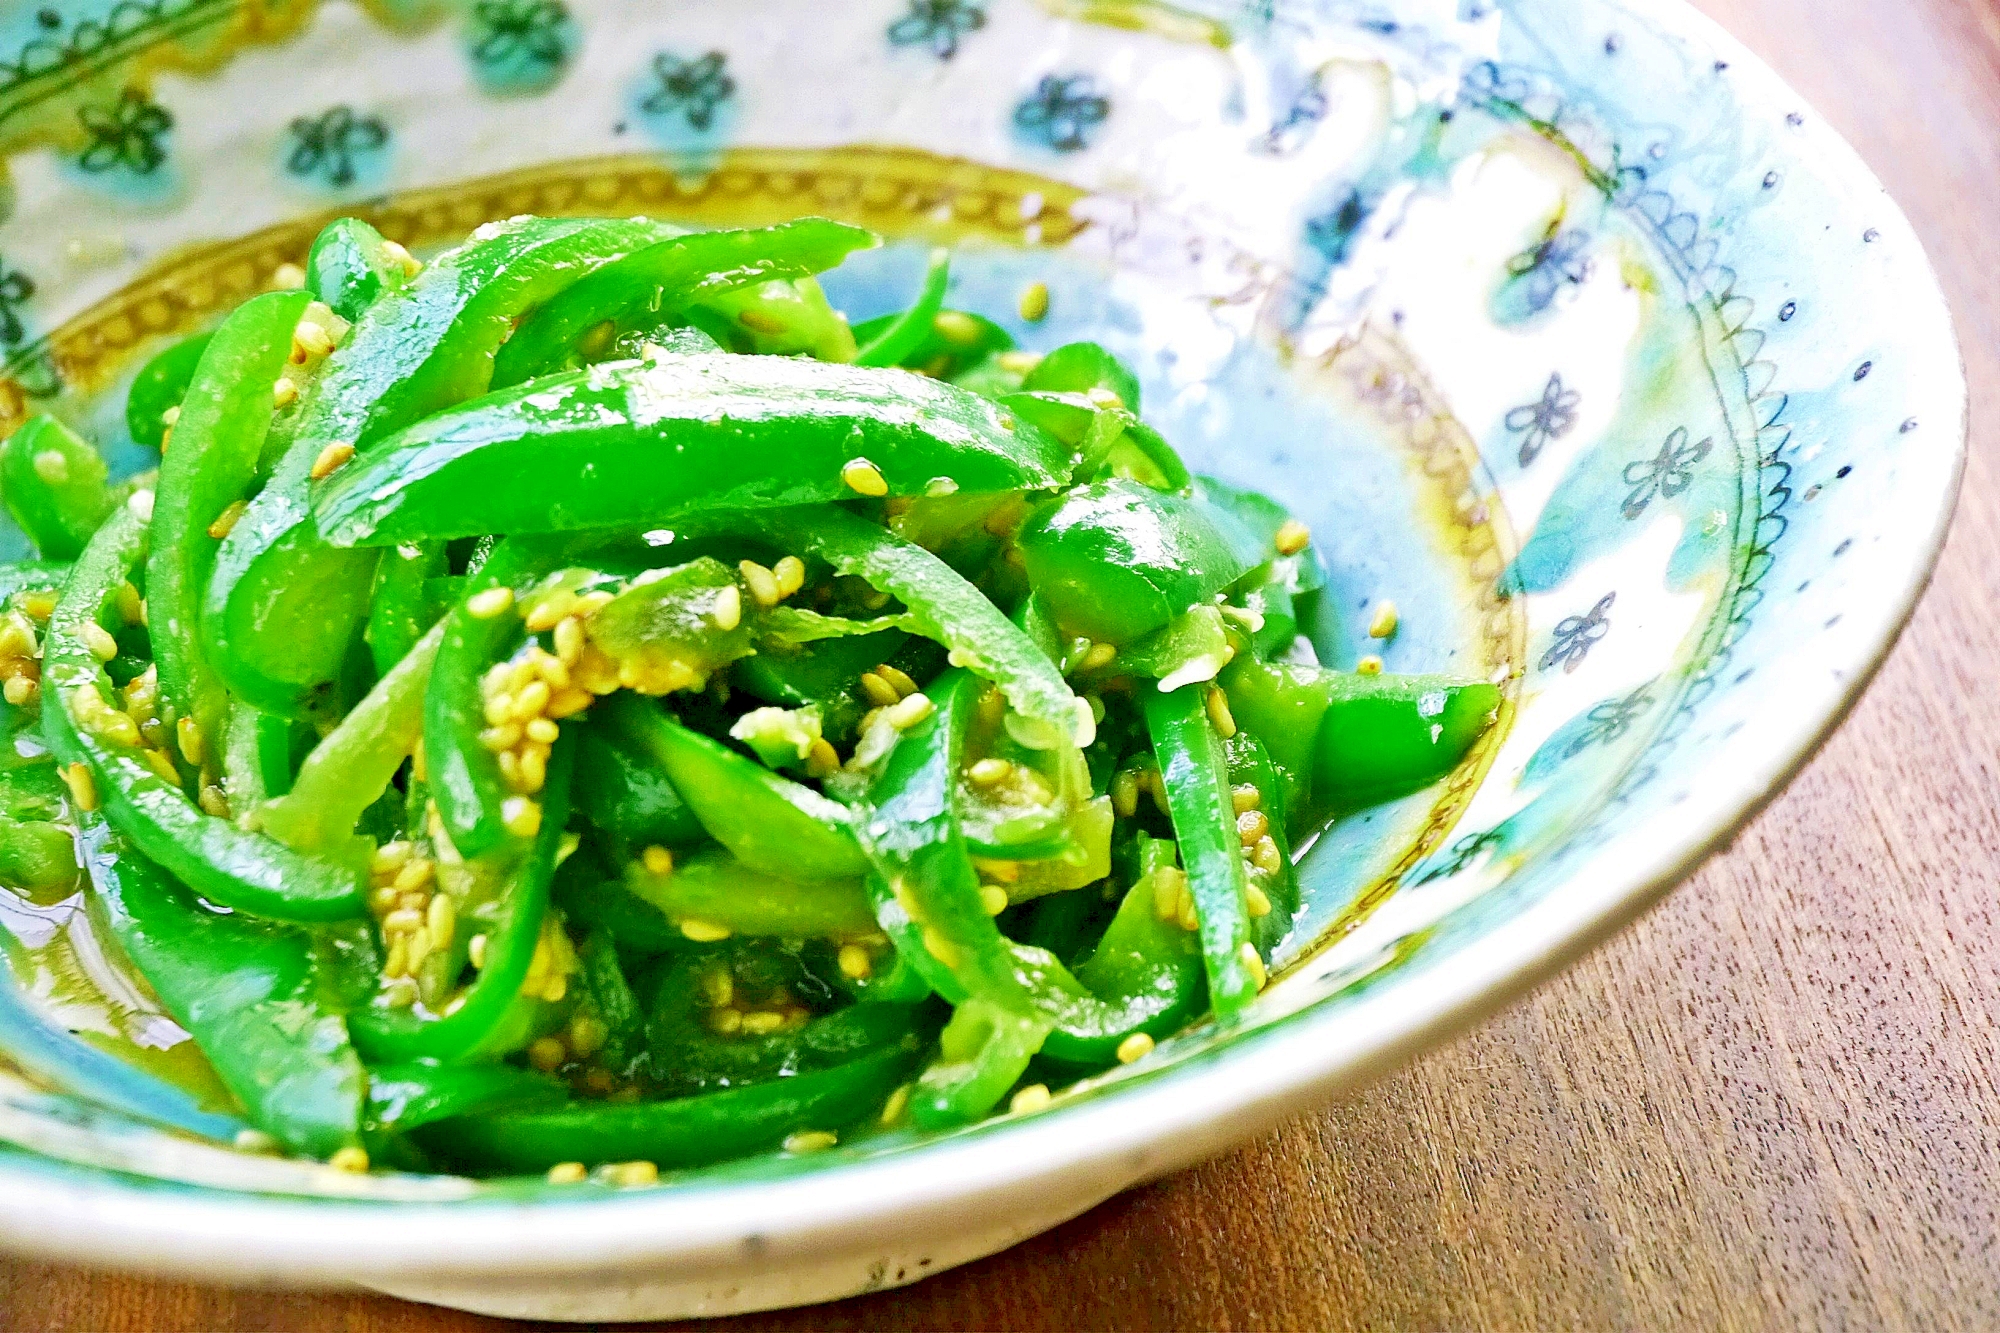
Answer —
(579, 702)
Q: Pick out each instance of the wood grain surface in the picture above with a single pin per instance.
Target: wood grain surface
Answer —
(1773, 1103)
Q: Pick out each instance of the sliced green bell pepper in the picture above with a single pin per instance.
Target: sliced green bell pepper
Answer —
(158, 388)
(55, 485)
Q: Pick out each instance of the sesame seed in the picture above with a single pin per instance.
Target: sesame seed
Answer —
(1185, 912)
(284, 393)
(521, 816)
(810, 1140)
(171, 416)
(855, 964)
(993, 898)
(909, 712)
(569, 702)
(587, 1035)
(1258, 902)
(131, 606)
(567, 1173)
(213, 802)
(39, 605)
(98, 639)
(287, 277)
(822, 759)
(410, 265)
(939, 947)
(1253, 963)
(1292, 537)
(52, 466)
(1019, 363)
(533, 698)
(1101, 396)
(1125, 793)
(703, 932)
(728, 610)
(762, 1022)
(1371, 665)
(390, 857)
(631, 1175)
(140, 502)
(1134, 1048)
(255, 1140)
(1219, 714)
(658, 860)
(20, 691)
(1384, 622)
(475, 951)
(534, 768)
(990, 772)
(310, 340)
(898, 680)
(879, 691)
(542, 731)
(442, 920)
(549, 611)
(957, 326)
(1099, 656)
(569, 640)
(547, 1053)
(1035, 302)
(331, 459)
(188, 732)
(1028, 1100)
(897, 1103)
(161, 763)
(726, 1021)
(351, 1158)
(225, 522)
(790, 573)
(1252, 825)
(763, 584)
(864, 478)
(1266, 855)
(1245, 796)
(490, 603)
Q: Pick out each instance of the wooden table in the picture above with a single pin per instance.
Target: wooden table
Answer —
(1773, 1102)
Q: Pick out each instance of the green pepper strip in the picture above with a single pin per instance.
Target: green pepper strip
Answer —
(907, 331)
(394, 1035)
(620, 789)
(401, 607)
(771, 823)
(682, 1132)
(1348, 740)
(350, 769)
(982, 1052)
(631, 444)
(221, 862)
(1250, 762)
(32, 576)
(257, 757)
(714, 887)
(926, 893)
(665, 278)
(53, 482)
(246, 991)
(404, 1097)
(224, 418)
(944, 606)
(464, 775)
(1196, 776)
(350, 266)
(282, 607)
(158, 387)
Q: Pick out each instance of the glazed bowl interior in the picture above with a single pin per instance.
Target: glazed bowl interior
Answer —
(1562, 324)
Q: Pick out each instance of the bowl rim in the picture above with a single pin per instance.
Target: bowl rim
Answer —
(1163, 1120)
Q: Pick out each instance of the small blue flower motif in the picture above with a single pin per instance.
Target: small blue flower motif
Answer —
(15, 289)
(1062, 111)
(126, 134)
(1333, 231)
(1666, 474)
(1577, 635)
(1561, 260)
(327, 145)
(938, 24)
(1462, 854)
(1306, 111)
(1610, 720)
(1545, 420)
(694, 88)
(520, 43)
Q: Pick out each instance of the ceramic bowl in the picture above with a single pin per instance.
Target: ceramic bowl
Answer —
(1563, 323)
